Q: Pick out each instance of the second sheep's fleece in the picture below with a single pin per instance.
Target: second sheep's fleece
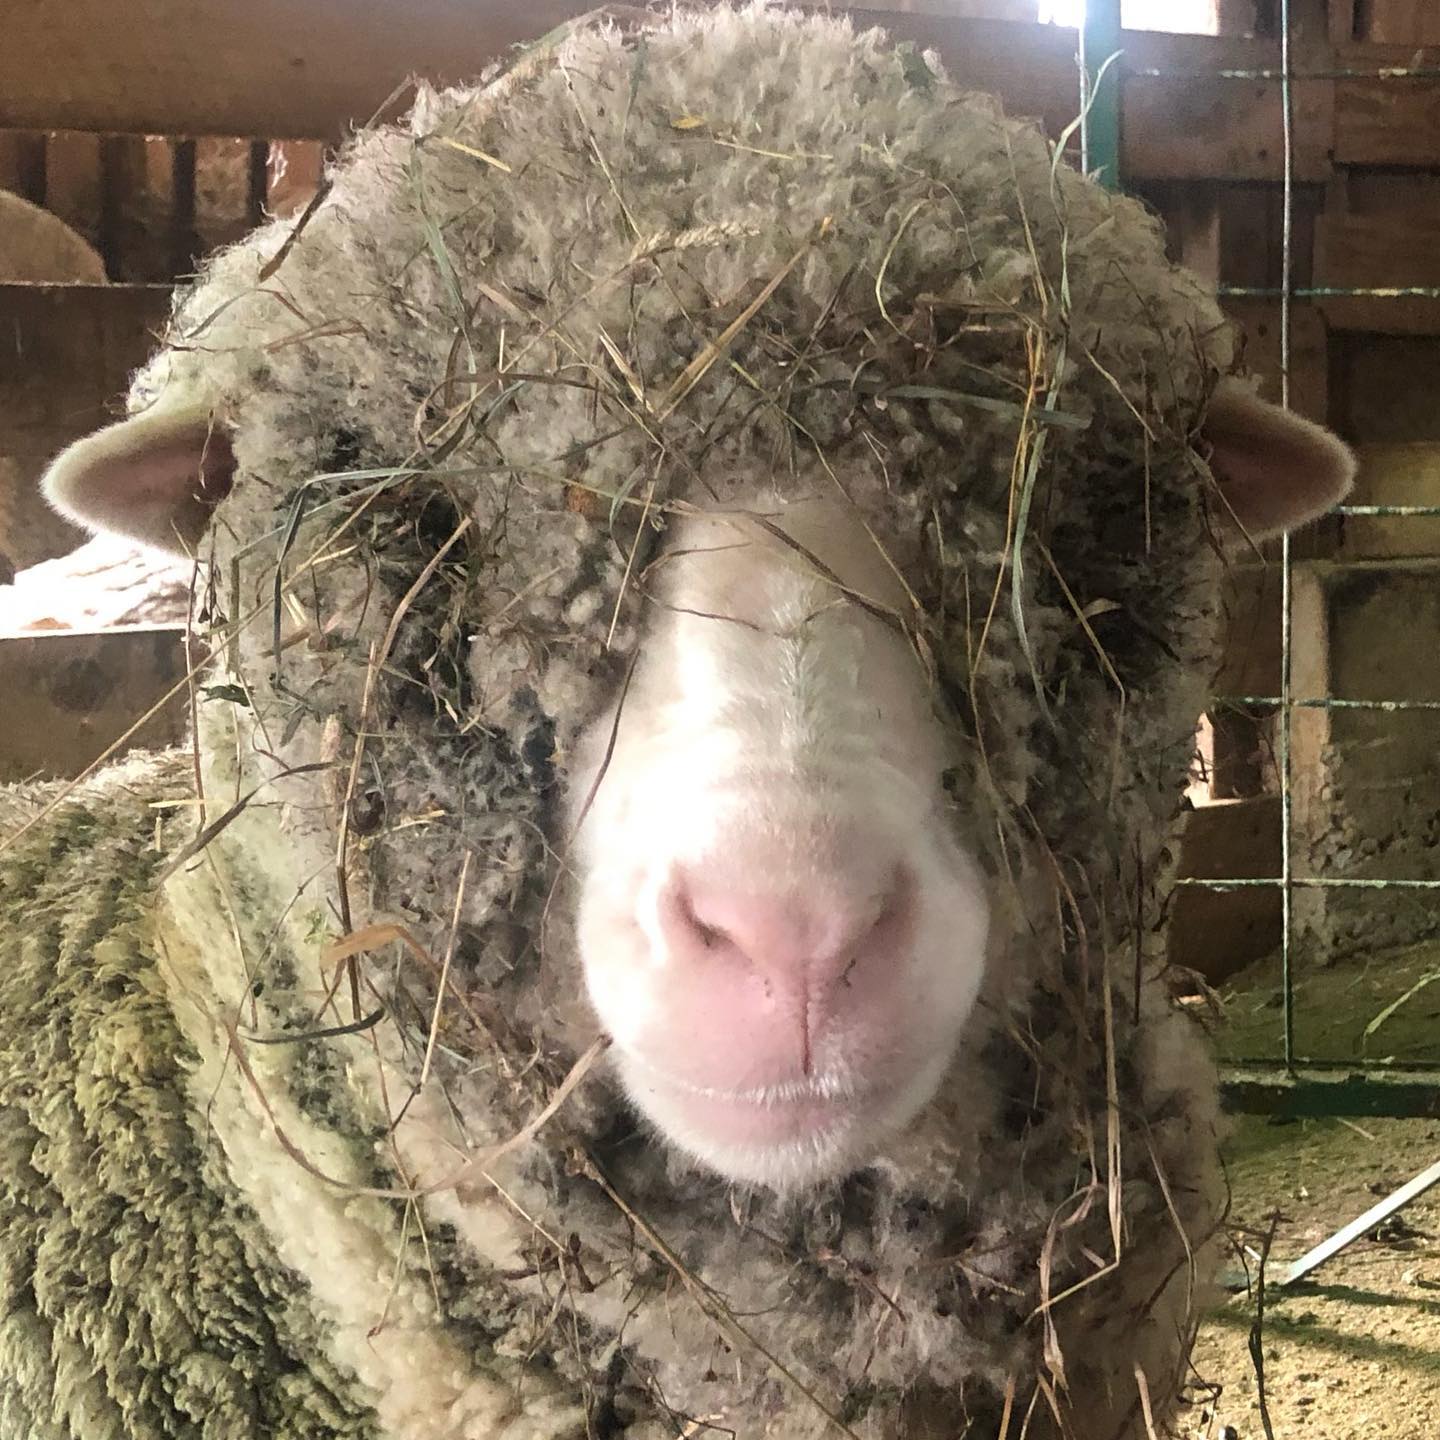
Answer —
(345, 1093)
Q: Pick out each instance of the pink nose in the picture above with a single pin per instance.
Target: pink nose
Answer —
(771, 974)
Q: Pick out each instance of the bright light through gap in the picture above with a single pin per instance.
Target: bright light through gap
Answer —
(1186, 17)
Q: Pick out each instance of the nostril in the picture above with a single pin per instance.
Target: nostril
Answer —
(881, 929)
(709, 936)
(896, 901)
(680, 915)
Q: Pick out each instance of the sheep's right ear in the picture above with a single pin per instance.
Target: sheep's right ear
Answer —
(155, 478)
(1275, 470)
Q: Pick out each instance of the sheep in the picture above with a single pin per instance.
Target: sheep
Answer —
(40, 248)
(710, 543)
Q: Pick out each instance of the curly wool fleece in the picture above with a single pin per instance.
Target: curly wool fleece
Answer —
(688, 260)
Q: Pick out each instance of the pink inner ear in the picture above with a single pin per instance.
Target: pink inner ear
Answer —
(1275, 470)
(155, 478)
(188, 468)
(168, 487)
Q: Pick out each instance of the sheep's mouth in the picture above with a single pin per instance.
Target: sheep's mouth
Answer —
(783, 1135)
(772, 1115)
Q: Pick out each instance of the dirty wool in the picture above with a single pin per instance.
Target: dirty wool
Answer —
(294, 1055)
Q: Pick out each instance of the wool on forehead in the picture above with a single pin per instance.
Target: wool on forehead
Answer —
(720, 258)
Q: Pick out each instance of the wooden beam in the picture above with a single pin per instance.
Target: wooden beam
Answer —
(1385, 388)
(1216, 933)
(1404, 1094)
(1191, 123)
(1259, 321)
(1401, 22)
(1387, 122)
(66, 353)
(69, 696)
(1342, 21)
(307, 69)
(272, 68)
(22, 165)
(1364, 251)
(1394, 475)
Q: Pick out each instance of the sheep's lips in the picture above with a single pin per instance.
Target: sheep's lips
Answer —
(772, 1116)
(789, 1135)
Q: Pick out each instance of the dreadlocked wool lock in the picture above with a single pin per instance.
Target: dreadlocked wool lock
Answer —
(710, 543)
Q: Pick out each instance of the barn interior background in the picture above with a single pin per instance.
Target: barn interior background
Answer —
(1293, 148)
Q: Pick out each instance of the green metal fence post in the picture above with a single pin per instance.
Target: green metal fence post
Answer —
(1100, 113)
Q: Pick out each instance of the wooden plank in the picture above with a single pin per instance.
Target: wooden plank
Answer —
(1310, 28)
(291, 68)
(72, 181)
(1216, 933)
(224, 211)
(1259, 321)
(142, 246)
(67, 351)
(1342, 15)
(1394, 475)
(1192, 124)
(1250, 633)
(22, 165)
(1252, 221)
(122, 168)
(293, 172)
(295, 70)
(1023, 10)
(1404, 1094)
(1234, 17)
(1387, 122)
(66, 355)
(1310, 394)
(1406, 195)
(69, 696)
(1400, 22)
(1190, 213)
(1385, 388)
(1372, 251)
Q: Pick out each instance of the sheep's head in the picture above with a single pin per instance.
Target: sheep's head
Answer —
(782, 907)
(805, 737)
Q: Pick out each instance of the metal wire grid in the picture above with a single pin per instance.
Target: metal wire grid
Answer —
(1100, 102)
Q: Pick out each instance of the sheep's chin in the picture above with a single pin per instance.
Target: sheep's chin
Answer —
(785, 1138)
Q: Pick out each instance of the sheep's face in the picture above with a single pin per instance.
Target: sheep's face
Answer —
(777, 921)
(777, 925)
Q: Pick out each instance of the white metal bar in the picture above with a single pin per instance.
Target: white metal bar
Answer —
(1313, 1259)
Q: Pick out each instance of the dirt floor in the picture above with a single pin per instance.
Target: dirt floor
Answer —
(1393, 995)
(1353, 1353)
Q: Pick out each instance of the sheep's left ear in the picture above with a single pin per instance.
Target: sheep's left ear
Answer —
(1275, 470)
(156, 478)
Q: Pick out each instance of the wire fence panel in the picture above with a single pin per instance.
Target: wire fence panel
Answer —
(1346, 1023)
